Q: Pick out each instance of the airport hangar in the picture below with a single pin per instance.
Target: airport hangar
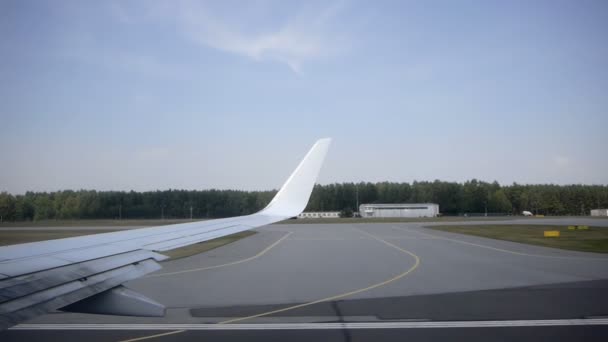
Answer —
(599, 212)
(399, 210)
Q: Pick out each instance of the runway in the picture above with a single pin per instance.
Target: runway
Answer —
(372, 273)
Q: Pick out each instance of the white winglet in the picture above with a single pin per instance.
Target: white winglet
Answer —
(293, 196)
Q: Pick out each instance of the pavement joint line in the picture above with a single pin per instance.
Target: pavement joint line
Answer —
(264, 251)
(504, 250)
(177, 328)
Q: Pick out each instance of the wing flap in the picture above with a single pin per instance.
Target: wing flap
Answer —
(58, 297)
(20, 267)
(42, 292)
(26, 284)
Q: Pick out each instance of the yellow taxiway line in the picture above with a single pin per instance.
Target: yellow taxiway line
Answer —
(346, 294)
(226, 264)
(326, 299)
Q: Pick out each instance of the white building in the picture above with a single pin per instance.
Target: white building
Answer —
(399, 210)
(599, 212)
(319, 214)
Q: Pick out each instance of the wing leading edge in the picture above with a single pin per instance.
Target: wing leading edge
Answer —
(82, 273)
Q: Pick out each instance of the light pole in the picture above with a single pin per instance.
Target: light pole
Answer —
(485, 205)
(582, 209)
(357, 197)
(162, 211)
(190, 213)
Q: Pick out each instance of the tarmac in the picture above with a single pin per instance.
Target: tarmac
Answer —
(362, 273)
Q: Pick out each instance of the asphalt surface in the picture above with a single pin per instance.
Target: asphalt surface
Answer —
(565, 333)
(367, 273)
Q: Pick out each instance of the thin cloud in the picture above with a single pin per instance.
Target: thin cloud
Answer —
(305, 34)
(302, 38)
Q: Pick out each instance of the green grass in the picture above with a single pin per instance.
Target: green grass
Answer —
(593, 240)
(23, 236)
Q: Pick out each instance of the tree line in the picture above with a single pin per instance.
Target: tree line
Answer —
(473, 197)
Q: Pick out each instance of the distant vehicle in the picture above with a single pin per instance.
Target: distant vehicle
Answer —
(527, 213)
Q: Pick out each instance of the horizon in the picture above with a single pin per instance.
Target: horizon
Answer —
(327, 184)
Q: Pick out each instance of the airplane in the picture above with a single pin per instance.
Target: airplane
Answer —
(85, 274)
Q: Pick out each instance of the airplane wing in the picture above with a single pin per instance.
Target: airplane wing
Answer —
(84, 274)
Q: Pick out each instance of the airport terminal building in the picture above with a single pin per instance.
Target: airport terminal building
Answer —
(399, 210)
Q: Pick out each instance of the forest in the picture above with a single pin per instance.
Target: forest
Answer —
(471, 198)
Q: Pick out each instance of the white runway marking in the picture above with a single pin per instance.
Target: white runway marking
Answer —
(318, 326)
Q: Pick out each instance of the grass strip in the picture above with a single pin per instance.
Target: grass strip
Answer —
(595, 239)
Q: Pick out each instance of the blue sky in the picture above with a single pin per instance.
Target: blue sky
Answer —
(151, 95)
